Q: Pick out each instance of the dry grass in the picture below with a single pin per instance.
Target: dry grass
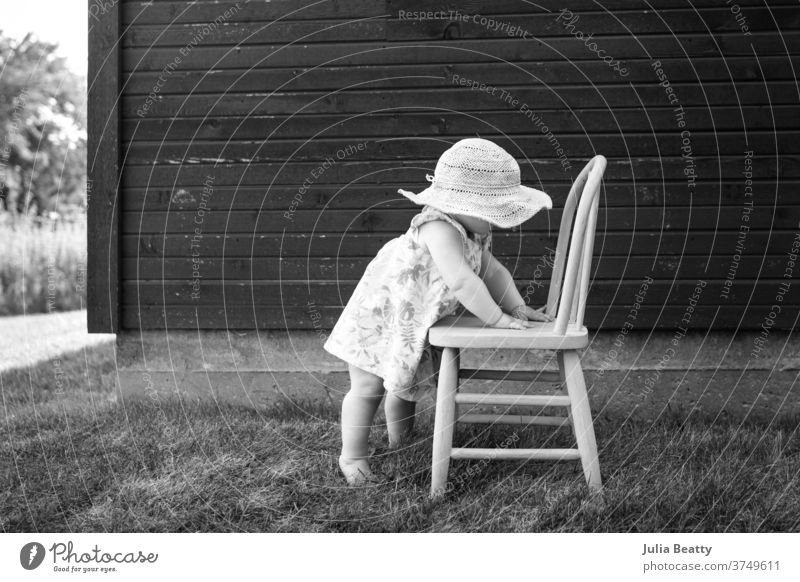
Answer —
(42, 265)
(78, 460)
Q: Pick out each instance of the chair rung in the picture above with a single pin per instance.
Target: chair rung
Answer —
(518, 399)
(514, 419)
(517, 454)
(529, 375)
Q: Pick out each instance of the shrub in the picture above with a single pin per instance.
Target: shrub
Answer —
(42, 264)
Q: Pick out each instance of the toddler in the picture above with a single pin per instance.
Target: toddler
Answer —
(444, 260)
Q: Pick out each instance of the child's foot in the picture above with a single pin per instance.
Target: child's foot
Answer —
(357, 472)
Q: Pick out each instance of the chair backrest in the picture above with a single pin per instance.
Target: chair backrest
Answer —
(566, 300)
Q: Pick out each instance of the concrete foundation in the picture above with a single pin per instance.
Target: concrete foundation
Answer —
(641, 373)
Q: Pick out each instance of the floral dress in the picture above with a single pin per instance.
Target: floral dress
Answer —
(384, 326)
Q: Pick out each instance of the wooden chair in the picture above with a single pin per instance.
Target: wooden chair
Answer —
(566, 335)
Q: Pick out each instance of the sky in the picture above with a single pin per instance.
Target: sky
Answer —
(64, 22)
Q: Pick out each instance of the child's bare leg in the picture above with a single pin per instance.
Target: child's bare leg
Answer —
(399, 418)
(358, 410)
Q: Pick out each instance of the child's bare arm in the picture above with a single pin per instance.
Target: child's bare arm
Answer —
(502, 288)
(446, 248)
(499, 282)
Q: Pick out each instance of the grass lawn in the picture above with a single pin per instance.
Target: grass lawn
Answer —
(72, 458)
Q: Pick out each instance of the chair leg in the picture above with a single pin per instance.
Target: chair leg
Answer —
(444, 420)
(570, 364)
(563, 388)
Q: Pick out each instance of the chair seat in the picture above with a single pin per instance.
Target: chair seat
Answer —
(467, 331)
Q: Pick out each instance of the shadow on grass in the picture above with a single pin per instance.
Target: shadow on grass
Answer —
(172, 465)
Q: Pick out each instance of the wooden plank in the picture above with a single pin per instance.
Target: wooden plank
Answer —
(359, 197)
(525, 27)
(689, 46)
(396, 221)
(174, 12)
(298, 293)
(441, 123)
(103, 171)
(506, 244)
(409, 174)
(634, 23)
(322, 318)
(679, 70)
(458, 99)
(244, 33)
(531, 272)
(181, 12)
(516, 7)
(533, 146)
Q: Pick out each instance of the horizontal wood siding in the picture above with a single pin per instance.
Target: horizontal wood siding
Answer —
(229, 109)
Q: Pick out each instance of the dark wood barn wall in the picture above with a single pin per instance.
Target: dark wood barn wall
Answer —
(215, 231)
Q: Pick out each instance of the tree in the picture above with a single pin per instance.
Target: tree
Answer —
(42, 129)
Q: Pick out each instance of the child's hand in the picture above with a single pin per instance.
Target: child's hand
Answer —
(530, 314)
(508, 322)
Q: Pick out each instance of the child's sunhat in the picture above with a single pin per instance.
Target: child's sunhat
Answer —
(476, 177)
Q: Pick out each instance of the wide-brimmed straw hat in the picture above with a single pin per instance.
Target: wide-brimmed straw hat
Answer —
(476, 177)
